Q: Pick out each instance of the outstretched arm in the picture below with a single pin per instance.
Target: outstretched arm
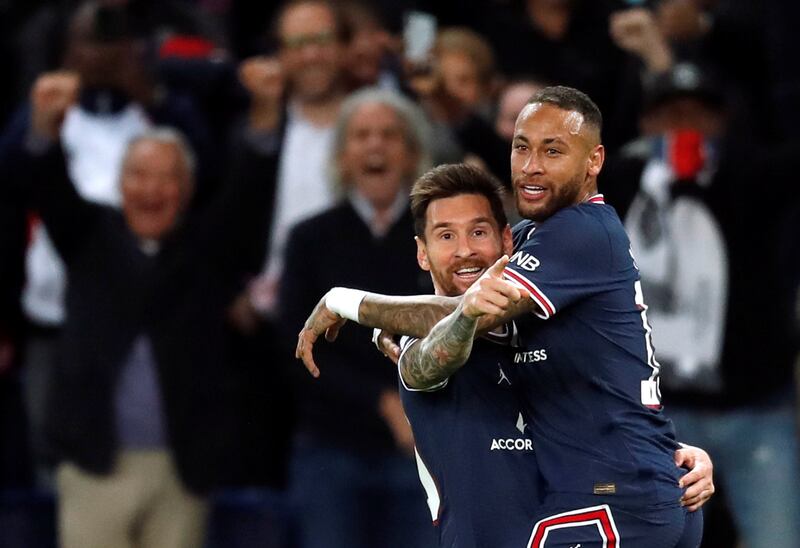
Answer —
(413, 316)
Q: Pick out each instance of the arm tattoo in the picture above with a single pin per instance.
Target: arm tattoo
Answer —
(412, 316)
(441, 353)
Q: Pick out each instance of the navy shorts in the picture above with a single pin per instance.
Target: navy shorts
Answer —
(606, 526)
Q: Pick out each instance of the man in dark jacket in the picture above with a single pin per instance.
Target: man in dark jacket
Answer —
(137, 412)
(352, 469)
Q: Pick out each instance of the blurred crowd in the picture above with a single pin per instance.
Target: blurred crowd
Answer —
(181, 181)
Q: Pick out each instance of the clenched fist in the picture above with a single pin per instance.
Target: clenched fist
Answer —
(491, 294)
(52, 94)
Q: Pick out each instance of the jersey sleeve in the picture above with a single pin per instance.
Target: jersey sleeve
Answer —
(405, 344)
(561, 260)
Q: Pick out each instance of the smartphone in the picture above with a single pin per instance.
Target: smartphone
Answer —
(419, 35)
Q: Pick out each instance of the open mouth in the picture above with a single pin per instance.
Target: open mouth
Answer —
(375, 171)
(532, 192)
(469, 273)
(375, 166)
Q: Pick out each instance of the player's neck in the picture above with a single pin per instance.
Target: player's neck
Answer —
(587, 194)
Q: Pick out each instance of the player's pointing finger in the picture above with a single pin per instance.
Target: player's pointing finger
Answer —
(496, 270)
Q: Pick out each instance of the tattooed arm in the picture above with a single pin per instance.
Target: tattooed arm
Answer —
(412, 316)
(491, 298)
(447, 347)
(432, 360)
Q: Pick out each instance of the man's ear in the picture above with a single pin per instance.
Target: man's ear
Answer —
(422, 254)
(508, 241)
(596, 158)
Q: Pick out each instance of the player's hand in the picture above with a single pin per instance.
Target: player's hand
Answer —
(322, 320)
(52, 94)
(491, 293)
(698, 482)
(386, 344)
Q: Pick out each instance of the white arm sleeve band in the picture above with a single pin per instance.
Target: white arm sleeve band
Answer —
(345, 302)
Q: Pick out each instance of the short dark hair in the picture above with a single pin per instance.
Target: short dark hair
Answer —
(448, 180)
(567, 98)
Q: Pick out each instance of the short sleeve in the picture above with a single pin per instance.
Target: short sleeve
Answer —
(405, 344)
(561, 260)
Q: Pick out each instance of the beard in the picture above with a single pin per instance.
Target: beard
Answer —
(446, 278)
(560, 196)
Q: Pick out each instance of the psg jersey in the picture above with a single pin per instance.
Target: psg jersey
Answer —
(474, 455)
(585, 366)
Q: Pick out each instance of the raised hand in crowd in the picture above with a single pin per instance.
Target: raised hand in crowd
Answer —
(636, 31)
(52, 94)
(682, 20)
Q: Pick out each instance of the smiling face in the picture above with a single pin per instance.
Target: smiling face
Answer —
(462, 240)
(377, 159)
(311, 52)
(155, 188)
(555, 160)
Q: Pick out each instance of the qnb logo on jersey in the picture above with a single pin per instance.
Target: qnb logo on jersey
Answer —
(532, 356)
(525, 261)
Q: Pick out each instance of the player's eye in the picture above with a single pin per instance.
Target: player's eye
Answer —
(479, 232)
(553, 151)
(446, 236)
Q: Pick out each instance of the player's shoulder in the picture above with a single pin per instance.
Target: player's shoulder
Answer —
(578, 217)
(522, 231)
(584, 225)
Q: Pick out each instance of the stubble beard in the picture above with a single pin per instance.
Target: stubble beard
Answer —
(565, 196)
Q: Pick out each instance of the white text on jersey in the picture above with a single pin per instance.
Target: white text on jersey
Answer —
(524, 260)
(531, 356)
(512, 444)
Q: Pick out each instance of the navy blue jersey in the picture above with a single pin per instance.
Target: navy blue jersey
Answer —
(585, 364)
(474, 454)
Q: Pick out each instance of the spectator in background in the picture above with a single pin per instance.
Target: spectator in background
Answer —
(467, 69)
(353, 476)
(115, 102)
(565, 42)
(371, 57)
(456, 86)
(295, 98)
(758, 72)
(137, 407)
(512, 98)
(637, 31)
(707, 246)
